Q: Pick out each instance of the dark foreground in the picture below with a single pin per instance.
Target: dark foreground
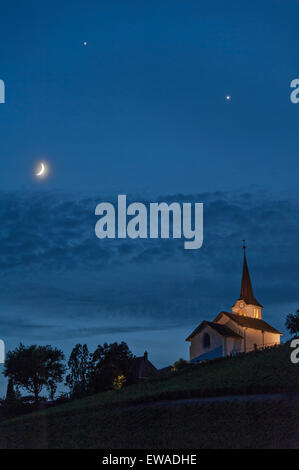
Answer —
(182, 410)
(240, 424)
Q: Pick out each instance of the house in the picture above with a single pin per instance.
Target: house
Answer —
(143, 369)
(241, 330)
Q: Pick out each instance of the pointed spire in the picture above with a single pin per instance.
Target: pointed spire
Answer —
(246, 287)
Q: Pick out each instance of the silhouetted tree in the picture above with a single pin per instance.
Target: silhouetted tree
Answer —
(107, 363)
(12, 405)
(34, 367)
(78, 364)
(11, 395)
(292, 323)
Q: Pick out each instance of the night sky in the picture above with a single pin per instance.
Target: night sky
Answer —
(142, 110)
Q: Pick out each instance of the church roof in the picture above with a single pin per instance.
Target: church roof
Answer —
(246, 286)
(249, 322)
(223, 330)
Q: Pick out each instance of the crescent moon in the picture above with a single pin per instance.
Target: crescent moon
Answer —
(41, 171)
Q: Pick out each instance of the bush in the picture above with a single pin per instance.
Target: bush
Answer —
(179, 365)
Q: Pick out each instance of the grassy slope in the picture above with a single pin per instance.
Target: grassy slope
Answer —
(97, 422)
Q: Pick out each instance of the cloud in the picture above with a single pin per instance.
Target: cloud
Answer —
(58, 280)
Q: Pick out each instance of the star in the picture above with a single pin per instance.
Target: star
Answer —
(228, 97)
(85, 43)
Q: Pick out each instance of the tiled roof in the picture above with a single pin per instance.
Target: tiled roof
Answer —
(249, 322)
(223, 330)
(142, 368)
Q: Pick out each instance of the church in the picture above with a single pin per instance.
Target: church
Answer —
(241, 330)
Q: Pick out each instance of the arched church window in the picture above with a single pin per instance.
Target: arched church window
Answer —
(206, 340)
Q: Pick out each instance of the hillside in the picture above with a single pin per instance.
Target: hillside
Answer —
(123, 419)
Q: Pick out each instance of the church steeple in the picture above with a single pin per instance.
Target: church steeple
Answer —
(246, 286)
(247, 304)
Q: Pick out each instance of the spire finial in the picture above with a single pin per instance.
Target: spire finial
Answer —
(244, 246)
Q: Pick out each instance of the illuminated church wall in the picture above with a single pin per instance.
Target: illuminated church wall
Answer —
(197, 345)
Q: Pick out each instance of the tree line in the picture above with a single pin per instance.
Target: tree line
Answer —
(39, 368)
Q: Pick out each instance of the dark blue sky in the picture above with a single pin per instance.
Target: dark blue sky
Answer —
(142, 111)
